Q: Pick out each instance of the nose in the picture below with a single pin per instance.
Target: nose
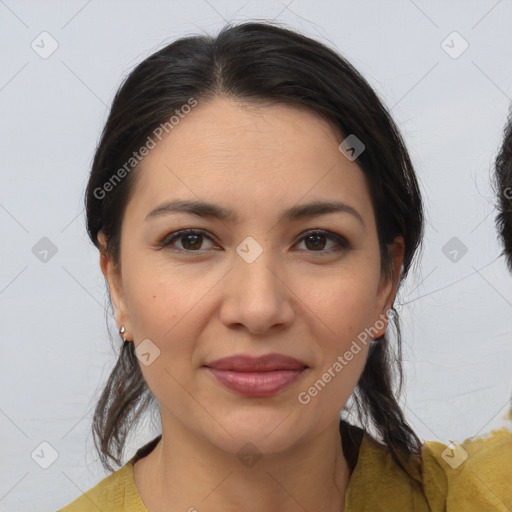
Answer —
(257, 296)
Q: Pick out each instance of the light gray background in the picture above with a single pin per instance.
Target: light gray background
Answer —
(55, 352)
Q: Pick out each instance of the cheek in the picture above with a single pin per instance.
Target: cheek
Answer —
(346, 305)
(161, 298)
(342, 344)
(346, 310)
(167, 314)
(153, 308)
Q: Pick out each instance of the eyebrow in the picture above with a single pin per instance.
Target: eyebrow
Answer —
(210, 210)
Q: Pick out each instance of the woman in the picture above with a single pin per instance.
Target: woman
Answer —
(255, 211)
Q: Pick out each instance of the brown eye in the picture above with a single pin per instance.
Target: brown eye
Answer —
(191, 240)
(316, 241)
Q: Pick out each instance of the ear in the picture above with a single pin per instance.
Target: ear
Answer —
(112, 274)
(388, 285)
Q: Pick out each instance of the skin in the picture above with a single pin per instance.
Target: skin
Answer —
(200, 306)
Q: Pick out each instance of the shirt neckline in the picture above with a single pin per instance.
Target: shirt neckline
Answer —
(134, 503)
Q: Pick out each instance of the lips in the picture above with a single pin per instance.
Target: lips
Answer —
(266, 363)
(257, 376)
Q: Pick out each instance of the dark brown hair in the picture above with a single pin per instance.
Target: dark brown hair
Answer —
(254, 63)
(503, 185)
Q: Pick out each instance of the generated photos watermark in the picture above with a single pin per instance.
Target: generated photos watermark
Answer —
(304, 397)
(137, 156)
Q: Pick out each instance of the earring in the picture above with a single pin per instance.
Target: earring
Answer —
(121, 332)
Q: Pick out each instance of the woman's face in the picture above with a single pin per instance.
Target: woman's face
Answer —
(258, 283)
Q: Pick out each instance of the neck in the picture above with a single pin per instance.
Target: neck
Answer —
(188, 473)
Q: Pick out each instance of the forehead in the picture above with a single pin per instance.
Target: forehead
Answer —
(250, 155)
(231, 126)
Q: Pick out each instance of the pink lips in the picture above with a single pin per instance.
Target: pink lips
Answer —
(257, 376)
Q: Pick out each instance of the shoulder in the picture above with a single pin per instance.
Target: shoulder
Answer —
(380, 483)
(117, 492)
(473, 475)
(109, 494)
(477, 472)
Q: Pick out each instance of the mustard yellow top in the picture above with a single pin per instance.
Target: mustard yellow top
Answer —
(475, 476)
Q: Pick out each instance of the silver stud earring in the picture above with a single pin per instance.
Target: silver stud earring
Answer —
(122, 331)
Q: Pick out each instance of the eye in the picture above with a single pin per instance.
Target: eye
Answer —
(315, 241)
(191, 240)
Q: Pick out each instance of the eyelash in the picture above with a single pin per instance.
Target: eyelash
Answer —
(342, 243)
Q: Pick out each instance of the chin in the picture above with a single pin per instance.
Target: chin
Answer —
(261, 430)
(252, 443)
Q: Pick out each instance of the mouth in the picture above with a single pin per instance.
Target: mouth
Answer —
(257, 376)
